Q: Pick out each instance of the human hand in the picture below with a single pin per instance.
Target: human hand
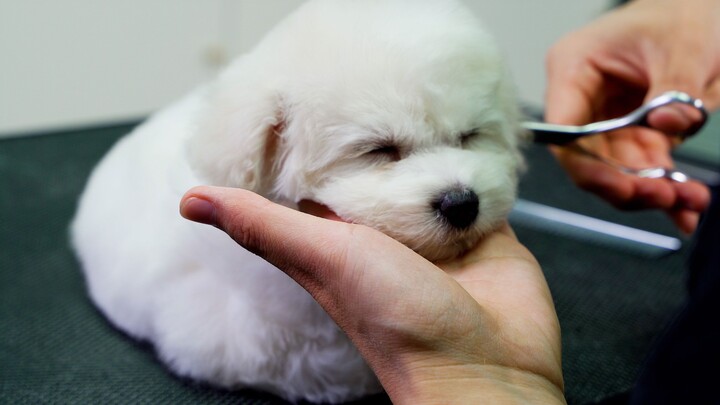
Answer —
(615, 64)
(478, 329)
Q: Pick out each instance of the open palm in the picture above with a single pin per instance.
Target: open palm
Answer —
(487, 314)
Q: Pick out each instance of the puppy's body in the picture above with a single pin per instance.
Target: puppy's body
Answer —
(391, 113)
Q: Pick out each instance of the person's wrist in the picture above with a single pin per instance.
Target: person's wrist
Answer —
(472, 383)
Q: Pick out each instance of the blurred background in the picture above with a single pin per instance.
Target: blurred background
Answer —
(75, 75)
(80, 62)
(83, 62)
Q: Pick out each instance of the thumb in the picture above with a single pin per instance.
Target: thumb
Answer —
(286, 238)
(677, 75)
(327, 258)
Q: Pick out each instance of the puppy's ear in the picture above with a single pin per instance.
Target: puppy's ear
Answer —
(234, 143)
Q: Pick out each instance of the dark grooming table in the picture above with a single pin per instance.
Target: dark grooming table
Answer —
(56, 348)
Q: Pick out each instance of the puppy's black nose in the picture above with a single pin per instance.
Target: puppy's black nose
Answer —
(459, 207)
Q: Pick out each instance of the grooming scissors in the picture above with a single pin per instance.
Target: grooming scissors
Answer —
(564, 134)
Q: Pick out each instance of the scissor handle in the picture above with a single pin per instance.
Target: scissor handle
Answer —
(562, 134)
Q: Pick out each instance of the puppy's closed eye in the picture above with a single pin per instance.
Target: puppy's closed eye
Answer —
(385, 152)
(468, 137)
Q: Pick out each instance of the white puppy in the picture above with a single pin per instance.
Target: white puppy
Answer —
(396, 114)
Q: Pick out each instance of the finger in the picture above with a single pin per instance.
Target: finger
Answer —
(693, 196)
(676, 74)
(327, 258)
(674, 118)
(639, 148)
(284, 237)
(594, 176)
(668, 196)
(685, 220)
(652, 193)
(624, 191)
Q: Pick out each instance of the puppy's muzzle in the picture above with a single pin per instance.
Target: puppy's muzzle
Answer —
(458, 207)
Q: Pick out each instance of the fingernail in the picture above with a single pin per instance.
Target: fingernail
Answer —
(198, 210)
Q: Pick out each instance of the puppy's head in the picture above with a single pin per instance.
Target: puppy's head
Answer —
(398, 115)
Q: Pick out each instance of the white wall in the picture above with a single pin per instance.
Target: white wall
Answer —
(526, 30)
(77, 62)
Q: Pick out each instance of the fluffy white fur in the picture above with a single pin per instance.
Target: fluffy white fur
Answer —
(299, 117)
